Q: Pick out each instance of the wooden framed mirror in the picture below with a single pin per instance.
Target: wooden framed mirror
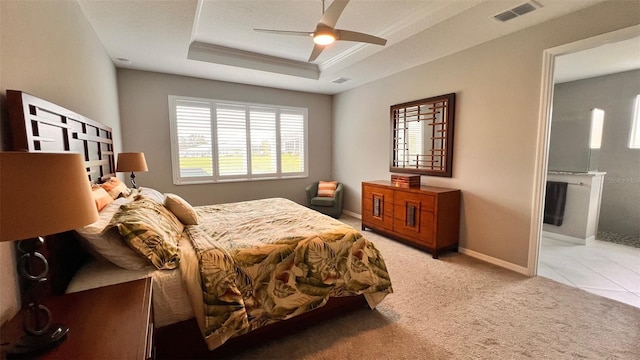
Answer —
(422, 136)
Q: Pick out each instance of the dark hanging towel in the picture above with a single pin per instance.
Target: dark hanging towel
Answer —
(554, 202)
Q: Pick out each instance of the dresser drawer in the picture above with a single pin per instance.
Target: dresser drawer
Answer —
(414, 225)
(368, 191)
(377, 207)
(427, 202)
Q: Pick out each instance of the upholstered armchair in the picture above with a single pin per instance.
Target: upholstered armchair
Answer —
(331, 206)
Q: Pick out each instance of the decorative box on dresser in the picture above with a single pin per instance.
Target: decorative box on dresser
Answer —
(427, 217)
(110, 322)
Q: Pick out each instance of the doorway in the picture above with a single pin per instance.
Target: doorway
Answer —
(607, 269)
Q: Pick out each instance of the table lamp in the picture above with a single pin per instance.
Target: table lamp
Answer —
(130, 162)
(41, 194)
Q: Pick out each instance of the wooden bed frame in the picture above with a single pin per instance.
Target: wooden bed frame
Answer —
(39, 125)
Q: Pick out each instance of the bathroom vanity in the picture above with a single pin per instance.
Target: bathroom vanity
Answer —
(582, 207)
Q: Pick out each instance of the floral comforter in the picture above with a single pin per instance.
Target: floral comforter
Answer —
(269, 260)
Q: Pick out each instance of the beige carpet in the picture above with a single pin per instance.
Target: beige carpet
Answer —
(461, 308)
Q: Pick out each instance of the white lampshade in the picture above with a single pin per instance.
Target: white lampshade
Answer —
(131, 162)
(43, 194)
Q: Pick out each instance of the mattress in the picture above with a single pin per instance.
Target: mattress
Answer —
(170, 301)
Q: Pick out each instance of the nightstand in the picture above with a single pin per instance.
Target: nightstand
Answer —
(111, 322)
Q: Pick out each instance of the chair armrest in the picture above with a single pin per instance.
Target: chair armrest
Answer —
(339, 194)
(312, 191)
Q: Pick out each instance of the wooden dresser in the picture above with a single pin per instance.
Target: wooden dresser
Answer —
(427, 217)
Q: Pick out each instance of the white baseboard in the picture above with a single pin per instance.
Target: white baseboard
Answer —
(474, 254)
(351, 213)
(491, 260)
(567, 238)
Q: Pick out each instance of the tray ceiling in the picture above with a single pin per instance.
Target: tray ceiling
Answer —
(214, 39)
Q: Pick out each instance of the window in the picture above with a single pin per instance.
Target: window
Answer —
(597, 124)
(634, 139)
(214, 141)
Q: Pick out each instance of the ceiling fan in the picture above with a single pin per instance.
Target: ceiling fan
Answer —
(326, 33)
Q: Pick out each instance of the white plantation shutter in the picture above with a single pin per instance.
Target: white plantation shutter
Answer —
(232, 139)
(193, 129)
(222, 141)
(292, 141)
(264, 152)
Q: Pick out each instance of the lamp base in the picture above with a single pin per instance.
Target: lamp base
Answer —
(29, 345)
(133, 180)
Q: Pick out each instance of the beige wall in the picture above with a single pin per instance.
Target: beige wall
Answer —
(49, 49)
(498, 97)
(144, 109)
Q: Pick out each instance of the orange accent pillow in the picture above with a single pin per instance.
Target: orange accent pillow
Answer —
(327, 188)
(101, 197)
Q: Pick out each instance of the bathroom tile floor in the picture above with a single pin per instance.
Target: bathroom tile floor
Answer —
(603, 268)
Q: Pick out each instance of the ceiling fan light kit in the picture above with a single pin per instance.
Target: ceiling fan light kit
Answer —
(324, 37)
(325, 33)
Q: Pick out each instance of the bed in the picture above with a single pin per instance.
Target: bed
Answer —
(223, 274)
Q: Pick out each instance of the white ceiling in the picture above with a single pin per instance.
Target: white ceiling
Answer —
(605, 59)
(157, 36)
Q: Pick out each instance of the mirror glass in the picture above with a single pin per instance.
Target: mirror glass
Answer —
(422, 136)
(574, 144)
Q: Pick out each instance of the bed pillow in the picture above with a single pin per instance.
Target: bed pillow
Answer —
(104, 241)
(153, 194)
(151, 230)
(181, 209)
(115, 187)
(327, 188)
(101, 197)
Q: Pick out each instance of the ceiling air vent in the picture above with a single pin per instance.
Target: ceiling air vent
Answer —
(517, 11)
(340, 80)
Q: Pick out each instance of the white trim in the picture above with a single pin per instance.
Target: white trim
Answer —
(351, 213)
(173, 136)
(540, 171)
(567, 238)
(473, 254)
(544, 129)
(306, 144)
(218, 54)
(635, 124)
(495, 261)
(196, 21)
(279, 143)
(215, 169)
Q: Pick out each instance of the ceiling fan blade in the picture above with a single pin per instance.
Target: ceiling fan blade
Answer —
(346, 35)
(317, 49)
(330, 17)
(285, 32)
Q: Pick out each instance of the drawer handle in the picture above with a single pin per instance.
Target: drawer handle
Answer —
(376, 207)
(411, 215)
